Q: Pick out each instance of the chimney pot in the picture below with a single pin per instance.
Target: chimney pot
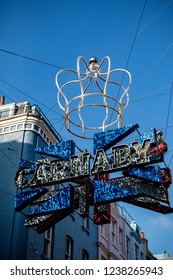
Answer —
(2, 100)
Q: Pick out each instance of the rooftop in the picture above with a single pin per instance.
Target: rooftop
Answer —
(8, 111)
(164, 255)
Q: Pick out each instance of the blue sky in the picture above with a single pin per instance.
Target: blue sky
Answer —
(134, 34)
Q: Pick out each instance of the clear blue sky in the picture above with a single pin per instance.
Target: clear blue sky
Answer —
(57, 32)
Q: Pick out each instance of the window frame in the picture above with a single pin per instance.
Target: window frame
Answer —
(69, 248)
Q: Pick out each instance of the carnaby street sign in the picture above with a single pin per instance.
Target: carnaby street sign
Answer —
(84, 180)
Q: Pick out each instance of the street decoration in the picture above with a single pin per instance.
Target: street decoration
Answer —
(65, 181)
(83, 180)
(78, 100)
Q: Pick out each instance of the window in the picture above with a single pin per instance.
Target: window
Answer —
(36, 127)
(5, 113)
(47, 244)
(121, 239)
(19, 126)
(86, 223)
(85, 255)
(103, 229)
(114, 232)
(13, 127)
(69, 248)
(142, 256)
(136, 252)
(1, 129)
(128, 247)
(28, 125)
(6, 129)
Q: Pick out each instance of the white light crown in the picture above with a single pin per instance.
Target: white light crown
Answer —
(85, 111)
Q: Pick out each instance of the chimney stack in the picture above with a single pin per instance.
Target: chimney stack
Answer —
(2, 100)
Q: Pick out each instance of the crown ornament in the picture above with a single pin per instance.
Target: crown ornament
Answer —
(94, 99)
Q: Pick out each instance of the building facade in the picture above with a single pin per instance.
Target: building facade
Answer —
(111, 237)
(121, 239)
(135, 248)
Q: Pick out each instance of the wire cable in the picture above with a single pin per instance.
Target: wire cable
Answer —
(7, 96)
(9, 158)
(153, 66)
(27, 95)
(142, 29)
(131, 50)
(169, 108)
(32, 59)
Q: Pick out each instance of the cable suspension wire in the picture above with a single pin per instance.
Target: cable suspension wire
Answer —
(61, 116)
(169, 108)
(7, 193)
(154, 65)
(9, 159)
(32, 59)
(136, 33)
(131, 49)
(7, 96)
(142, 29)
(27, 95)
(60, 67)
(170, 161)
(148, 97)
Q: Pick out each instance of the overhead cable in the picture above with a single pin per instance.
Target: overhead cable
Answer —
(169, 107)
(30, 58)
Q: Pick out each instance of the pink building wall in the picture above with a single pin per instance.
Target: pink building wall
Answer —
(111, 237)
